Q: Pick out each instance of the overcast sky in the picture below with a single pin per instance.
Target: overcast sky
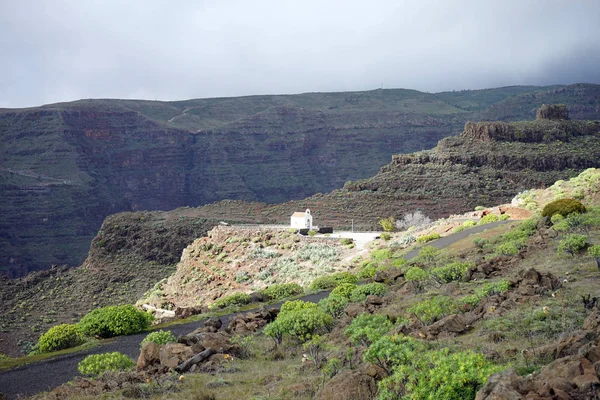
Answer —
(62, 50)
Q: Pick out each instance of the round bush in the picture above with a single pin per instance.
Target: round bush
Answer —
(236, 299)
(415, 274)
(114, 321)
(159, 337)
(295, 305)
(334, 305)
(95, 364)
(282, 290)
(333, 280)
(343, 290)
(301, 324)
(563, 207)
(488, 219)
(60, 337)
(360, 293)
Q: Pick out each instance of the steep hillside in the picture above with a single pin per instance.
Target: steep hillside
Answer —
(241, 260)
(509, 312)
(487, 164)
(130, 253)
(65, 167)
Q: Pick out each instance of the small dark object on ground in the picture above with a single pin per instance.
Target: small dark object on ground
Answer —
(589, 303)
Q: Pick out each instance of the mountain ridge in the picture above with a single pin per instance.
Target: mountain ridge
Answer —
(65, 167)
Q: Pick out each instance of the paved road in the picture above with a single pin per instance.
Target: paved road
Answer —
(455, 237)
(45, 375)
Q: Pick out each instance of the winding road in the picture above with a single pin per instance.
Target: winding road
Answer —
(45, 375)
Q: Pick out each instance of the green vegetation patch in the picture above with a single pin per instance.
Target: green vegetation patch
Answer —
(430, 310)
(235, 299)
(453, 271)
(299, 320)
(60, 337)
(563, 207)
(333, 280)
(415, 371)
(572, 244)
(488, 289)
(159, 337)
(344, 290)
(428, 238)
(361, 292)
(114, 321)
(96, 364)
(282, 290)
(368, 328)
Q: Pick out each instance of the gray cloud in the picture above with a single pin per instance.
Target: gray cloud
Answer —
(64, 50)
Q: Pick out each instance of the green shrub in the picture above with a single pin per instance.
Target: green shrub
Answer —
(60, 337)
(594, 251)
(431, 310)
(563, 207)
(367, 271)
(438, 374)
(416, 276)
(296, 305)
(572, 244)
(381, 255)
(114, 321)
(427, 254)
(465, 225)
(346, 241)
(235, 299)
(4, 357)
(360, 293)
(480, 242)
(299, 321)
(578, 222)
(334, 305)
(282, 290)
(333, 366)
(469, 224)
(159, 337)
(488, 219)
(368, 328)
(333, 280)
(479, 208)
(398, 262)
(343, 290)
(385, 236)
(488, 289)
(455, 271)
(428, 238)
(556, 219)
(390, 351)
(312, 233)
(506, 249)
(96, 364)
(388, 224)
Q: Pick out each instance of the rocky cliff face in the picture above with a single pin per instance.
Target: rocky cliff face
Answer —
(65, 167)
(489, 163)
(130, 253)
